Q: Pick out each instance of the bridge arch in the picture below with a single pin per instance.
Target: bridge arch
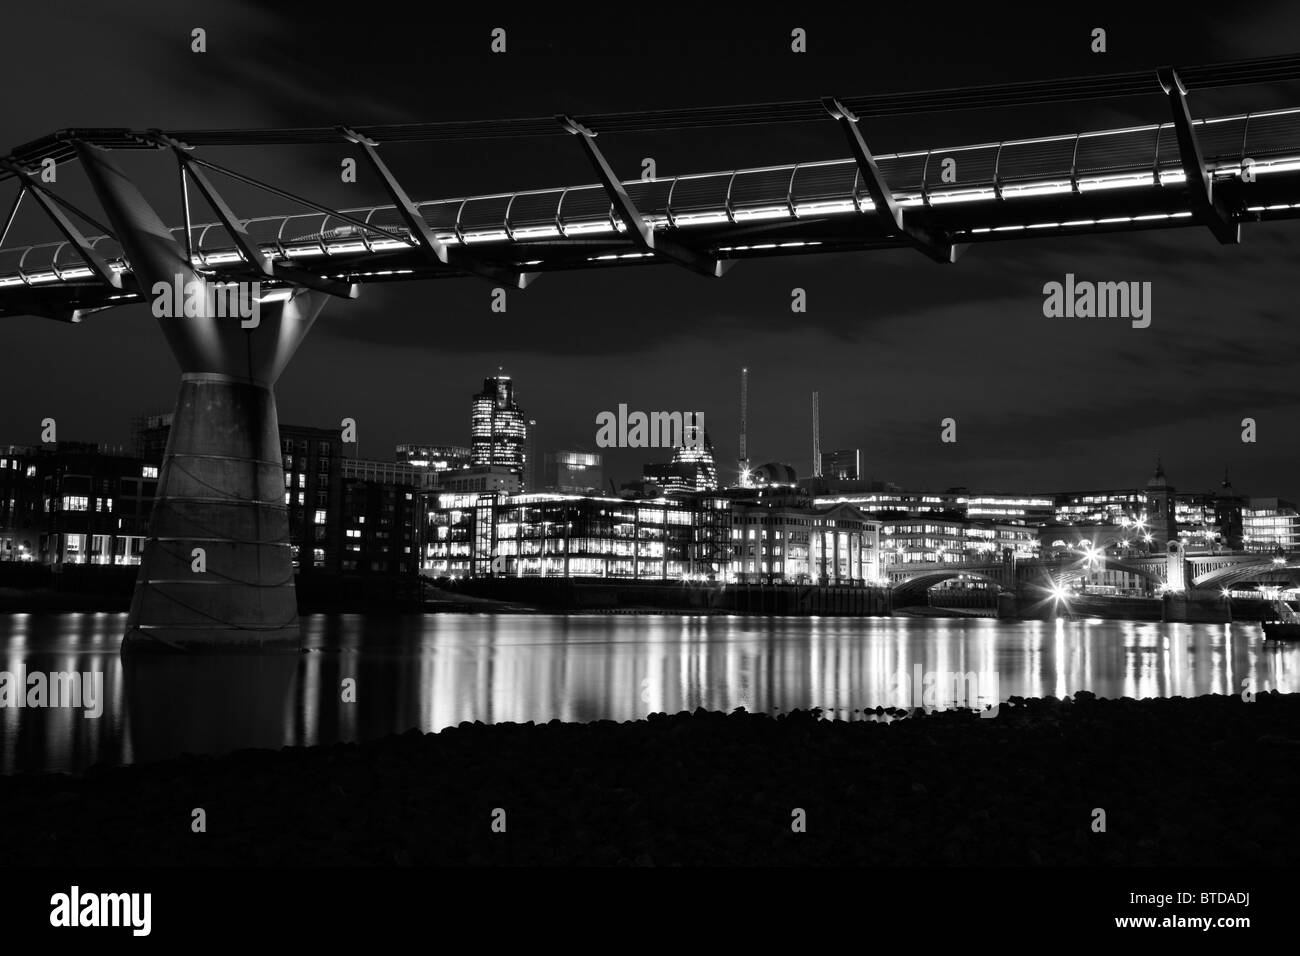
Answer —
(1247, 571)
(915, 586)
(1073, 572)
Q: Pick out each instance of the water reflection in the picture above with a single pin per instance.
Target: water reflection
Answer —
(435, 671)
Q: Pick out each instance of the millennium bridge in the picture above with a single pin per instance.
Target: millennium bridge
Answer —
(221, 484)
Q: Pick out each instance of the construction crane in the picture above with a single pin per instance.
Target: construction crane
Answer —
(817, 441)
(743, 462)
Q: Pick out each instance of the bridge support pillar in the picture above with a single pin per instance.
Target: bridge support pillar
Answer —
(217, 569)
(1008, 605)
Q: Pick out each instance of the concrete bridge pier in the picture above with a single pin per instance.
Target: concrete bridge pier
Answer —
(1008, 605)
(217, 570)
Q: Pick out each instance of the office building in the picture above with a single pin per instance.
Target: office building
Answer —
(406, 473)
(74, 503)
(555, 535)
(380, 522)
(498, 429)
(1271, 523)
(781, 537)
(496, 479)
(571, 471)
(690, 471)
(433, 457)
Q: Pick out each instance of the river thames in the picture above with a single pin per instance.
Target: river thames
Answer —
(362, 677)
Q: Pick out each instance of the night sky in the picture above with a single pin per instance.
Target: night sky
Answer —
(893, 342)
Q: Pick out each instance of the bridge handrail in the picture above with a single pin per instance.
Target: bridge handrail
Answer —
(1123, 156)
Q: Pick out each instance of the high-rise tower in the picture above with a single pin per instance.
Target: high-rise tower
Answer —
(498, 431)
(695, 460)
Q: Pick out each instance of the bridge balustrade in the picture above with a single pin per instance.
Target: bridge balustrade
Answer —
(1145, 155)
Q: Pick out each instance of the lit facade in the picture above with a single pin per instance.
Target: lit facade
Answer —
(498, 429)
(945, 540)
(434, 457)
(879, 503)
(559, 536)
(1198, 525)
(1101, 507)
(691, 470)
(1271, 523)
(19, 531)
(74, 503)
(694, 458)
(1009, 509)
(571, 471)
(313, 489)
(780, 539)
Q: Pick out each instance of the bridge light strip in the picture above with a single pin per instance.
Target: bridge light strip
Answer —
(767, 212)
(965, 195)
(1129, 181)
(771, 245)
(621, 255)
(1037, 189)
(381, 272)
(1080, 222)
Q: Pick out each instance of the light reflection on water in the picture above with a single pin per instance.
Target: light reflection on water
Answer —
(434, 671)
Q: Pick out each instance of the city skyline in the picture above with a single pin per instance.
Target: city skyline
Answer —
(446, 437)
(1057, 397)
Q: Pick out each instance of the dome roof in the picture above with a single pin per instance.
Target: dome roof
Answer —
(774, 473)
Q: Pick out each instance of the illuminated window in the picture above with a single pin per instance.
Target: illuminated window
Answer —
(149, 471)
(320, 517)
(75, 503)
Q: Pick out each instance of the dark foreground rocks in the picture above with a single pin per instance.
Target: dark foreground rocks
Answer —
(1210, 780)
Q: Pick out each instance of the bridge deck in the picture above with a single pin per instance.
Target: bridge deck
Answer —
(1111, 180)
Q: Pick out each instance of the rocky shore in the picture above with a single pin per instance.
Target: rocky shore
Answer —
(1201, 781)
